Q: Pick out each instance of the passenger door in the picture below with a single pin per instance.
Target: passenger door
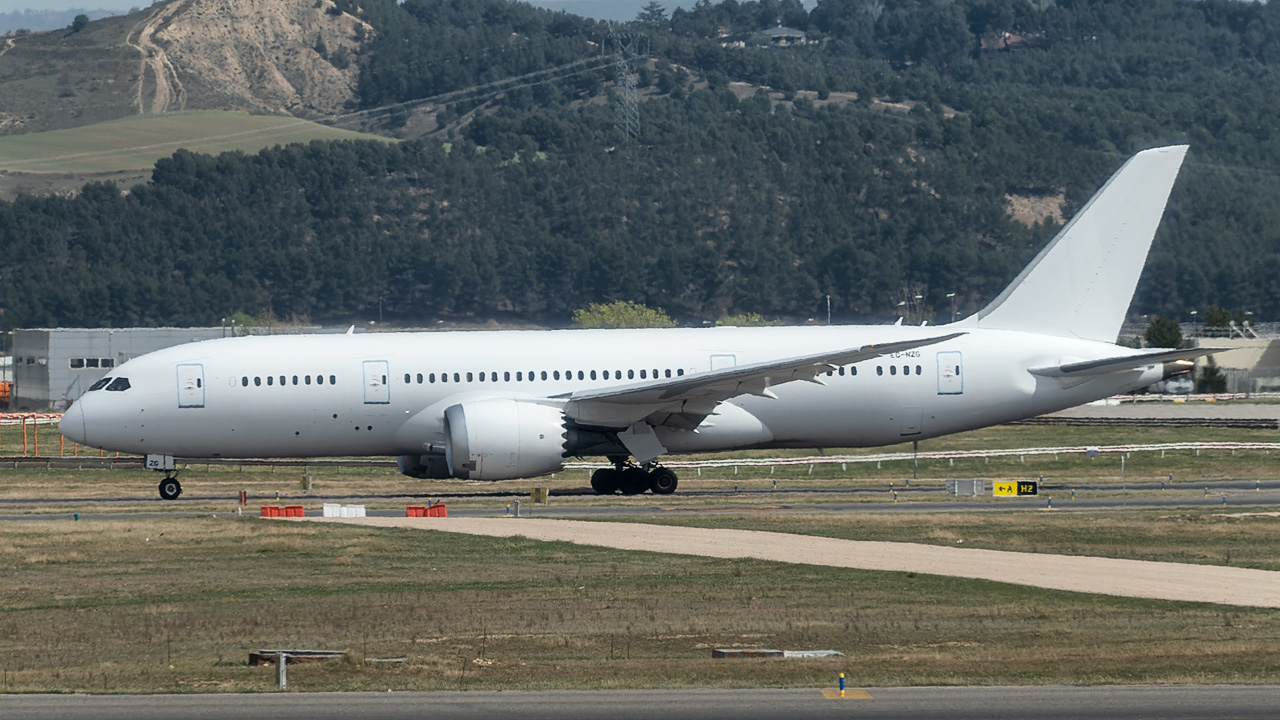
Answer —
(377, 389)
(950, 373)
(191, 386)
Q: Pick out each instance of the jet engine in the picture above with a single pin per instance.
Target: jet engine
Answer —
(503, 439)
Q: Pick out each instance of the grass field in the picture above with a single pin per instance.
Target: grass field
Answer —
(176, 605)
(136, 143)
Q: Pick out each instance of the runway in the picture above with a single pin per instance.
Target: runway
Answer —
(927, 703)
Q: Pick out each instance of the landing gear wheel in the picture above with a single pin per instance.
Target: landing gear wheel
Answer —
(605, 481)
(170, 488)
(634, 481)
(662, 481)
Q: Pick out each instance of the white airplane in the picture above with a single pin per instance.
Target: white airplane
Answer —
(503, 405)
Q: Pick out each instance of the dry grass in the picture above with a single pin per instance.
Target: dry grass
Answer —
(176, 605)
(136, 143)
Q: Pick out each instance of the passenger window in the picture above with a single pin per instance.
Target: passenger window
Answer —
(906, 369)
(680, 372)
(606, 374)
(295, 379)
(281, 381)
(879, 370)
(307, 379)
(257, 381)
(841, 371)
(107, 381)
(556, 374)
(642, 374)
(519, 376)
(244, 382)
(581, 375)
(544, 374)
(593, 374)
(333, 380)
(853, 369)
(457, 377)
(406, 378)
(830, 373)
(668, 372)
(319, 379)
(918, 370)
(432, 378)
(481, 377)
(631, 374)
(471, 377)
(419, 378)
(270, 380)
(493, 376)
(506, 376)
(118, 385)
(444, 377)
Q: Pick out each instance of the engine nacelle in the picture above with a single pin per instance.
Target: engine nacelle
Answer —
(503, 439)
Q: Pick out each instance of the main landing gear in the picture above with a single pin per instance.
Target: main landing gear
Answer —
(632, 479)
(170, 488)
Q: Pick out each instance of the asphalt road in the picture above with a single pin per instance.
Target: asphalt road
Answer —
(961, 703)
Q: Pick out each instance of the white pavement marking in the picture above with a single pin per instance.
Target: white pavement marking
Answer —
(1107, 576)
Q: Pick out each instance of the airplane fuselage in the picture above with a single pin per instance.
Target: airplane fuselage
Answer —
(386, 394)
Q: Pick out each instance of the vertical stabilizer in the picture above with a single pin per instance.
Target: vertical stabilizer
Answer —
(1081, 283)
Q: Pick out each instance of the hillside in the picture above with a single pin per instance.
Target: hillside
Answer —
(296, 57)
(903, 155)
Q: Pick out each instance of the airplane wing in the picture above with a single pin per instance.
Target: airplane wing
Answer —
(1122, 362)
(683, 402)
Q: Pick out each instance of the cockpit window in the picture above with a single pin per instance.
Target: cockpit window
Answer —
(100, 384)
(120, 384)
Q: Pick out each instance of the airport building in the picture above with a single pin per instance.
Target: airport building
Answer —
(54, 366)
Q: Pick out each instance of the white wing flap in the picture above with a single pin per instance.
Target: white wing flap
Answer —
(695, 395)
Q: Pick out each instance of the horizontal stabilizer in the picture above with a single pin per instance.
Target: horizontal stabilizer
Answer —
(1122, 362)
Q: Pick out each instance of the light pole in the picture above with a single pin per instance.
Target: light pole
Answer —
(952, 298)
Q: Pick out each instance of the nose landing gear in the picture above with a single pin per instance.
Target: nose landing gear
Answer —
(170, 488)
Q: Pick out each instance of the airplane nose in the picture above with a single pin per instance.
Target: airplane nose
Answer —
(72, 424)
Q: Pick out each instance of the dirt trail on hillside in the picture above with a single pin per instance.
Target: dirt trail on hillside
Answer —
(169, 92)
(1104, 576)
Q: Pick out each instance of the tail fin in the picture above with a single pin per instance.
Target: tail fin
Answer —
(1081, 283)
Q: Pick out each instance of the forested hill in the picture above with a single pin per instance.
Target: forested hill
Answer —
(890, 155)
